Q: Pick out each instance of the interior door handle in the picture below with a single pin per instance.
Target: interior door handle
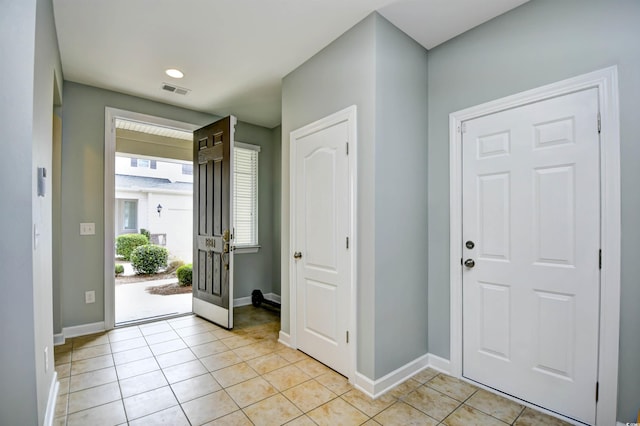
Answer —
(469, 263)
(297, 255)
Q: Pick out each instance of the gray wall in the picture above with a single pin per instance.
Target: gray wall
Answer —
(400, 199)
(339, 76)
(383, 72)
(29, 60)
(540, 42)
(255, 270)
(83, 195)
(276, 167)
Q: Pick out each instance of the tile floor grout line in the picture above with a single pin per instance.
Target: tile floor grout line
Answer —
(247, 336)
(167, 379)
(171, 387)
(126, 416)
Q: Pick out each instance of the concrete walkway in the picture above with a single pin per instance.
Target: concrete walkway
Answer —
(134, 303)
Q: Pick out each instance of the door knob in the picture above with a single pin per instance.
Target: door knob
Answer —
(297, 255)
(469, 263)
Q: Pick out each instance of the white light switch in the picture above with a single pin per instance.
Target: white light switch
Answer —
(87, 229)
(90, 296)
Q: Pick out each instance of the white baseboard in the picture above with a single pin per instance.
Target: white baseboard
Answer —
(284, 338)
(51, 401)
(241, 301)
(440, 364)
(83, 329)
(244, 301)
(58, 339)
(273, 297)
(364, 384)
(376, 388)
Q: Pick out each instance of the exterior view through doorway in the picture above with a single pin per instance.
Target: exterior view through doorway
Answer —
(153, 209)
(147, 181)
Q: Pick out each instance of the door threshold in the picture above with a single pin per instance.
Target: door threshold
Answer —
(147, 320)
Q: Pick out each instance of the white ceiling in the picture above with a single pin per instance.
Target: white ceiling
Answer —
(234, 53)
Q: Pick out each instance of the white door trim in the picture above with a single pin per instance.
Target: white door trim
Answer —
(349, 115)
(606, 81)
(110, 115)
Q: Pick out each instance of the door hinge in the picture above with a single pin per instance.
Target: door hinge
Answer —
(599, 122)
(597, 389)
(347, 147)
(347, 336)
(347, 242)
(463, 127)
(600, 259)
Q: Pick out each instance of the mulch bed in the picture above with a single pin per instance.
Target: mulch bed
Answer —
(129, 279)
(168, 289)
(163, 289)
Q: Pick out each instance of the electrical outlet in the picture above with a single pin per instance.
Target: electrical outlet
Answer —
(87, 229)
(90, 296)
(46, 359)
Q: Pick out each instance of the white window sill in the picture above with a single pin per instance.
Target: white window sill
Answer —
(246, 249)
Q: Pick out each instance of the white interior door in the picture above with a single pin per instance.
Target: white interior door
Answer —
(322, 268)
(531, 225)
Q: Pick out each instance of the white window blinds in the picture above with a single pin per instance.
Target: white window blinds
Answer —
(245, 191)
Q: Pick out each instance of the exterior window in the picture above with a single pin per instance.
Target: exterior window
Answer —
(130, 215)
(187, 169)
(245, 194)
(143, 163)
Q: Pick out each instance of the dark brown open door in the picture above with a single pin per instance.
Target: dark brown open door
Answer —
(212, 222)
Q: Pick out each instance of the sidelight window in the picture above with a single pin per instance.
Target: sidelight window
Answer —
(245, 191)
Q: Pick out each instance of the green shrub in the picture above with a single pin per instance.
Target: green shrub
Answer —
(146, 233)
(119, 269)
(149, 258)
(185, 275)
(126, 243)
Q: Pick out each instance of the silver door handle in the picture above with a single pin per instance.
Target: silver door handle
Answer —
(297, 255)
(469, 263)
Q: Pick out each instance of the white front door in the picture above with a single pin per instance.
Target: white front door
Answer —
(320, 227)
(531, 241)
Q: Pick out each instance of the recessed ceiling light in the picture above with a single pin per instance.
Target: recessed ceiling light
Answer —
(172, 72)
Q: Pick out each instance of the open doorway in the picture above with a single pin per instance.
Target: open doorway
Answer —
(253, 268)
(152, 221)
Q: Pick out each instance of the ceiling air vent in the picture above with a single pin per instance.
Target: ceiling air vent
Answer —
(175, 89)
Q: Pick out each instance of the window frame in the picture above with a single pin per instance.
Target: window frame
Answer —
(255, 245)
(125, 212)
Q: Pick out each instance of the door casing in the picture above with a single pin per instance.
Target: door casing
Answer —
(606, 81)
(348, 114)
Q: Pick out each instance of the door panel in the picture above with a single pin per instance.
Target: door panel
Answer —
(321, 225)
(531, 205)
(213, 256)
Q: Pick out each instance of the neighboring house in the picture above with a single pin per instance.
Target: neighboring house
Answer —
(156, 195)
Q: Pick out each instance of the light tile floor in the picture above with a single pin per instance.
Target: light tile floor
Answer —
(187, 371)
